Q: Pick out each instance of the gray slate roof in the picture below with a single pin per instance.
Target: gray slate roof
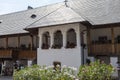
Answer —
(15, 23)
(97, 12)
(61, 16)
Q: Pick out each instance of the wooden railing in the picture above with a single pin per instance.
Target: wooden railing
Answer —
(18, 54)
(101, 49)
(5, 53)
(27, 54)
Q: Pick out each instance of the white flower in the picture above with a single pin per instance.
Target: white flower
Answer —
(64, 66)
(73, 68)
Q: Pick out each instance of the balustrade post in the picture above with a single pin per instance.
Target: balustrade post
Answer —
(113, 40)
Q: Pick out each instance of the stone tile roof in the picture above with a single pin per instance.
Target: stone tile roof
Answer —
(97, 12)
(62, 15)
(15, 23)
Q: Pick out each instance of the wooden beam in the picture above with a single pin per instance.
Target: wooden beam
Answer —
(37, 41)
(113, 40)
(18, 44)
(31, 43)
(105, 25)
(14, 35)
(88, 40)
(6, 45)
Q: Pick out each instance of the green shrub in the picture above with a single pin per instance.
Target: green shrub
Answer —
(95, 71)
(36, 72)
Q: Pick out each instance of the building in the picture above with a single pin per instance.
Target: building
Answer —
(17, 46)
(67, 33)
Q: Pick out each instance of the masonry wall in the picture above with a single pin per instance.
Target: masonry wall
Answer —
(70, 57)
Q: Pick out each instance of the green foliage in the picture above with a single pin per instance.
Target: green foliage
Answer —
(36, 72)
(95, 71)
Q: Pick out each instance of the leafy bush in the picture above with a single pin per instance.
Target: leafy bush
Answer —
(95, 71)
(36, 72)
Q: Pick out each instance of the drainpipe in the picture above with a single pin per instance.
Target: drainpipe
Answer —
(83, 56)
(82, 47)
(82, 44)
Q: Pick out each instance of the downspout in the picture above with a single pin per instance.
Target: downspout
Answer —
(82, 44)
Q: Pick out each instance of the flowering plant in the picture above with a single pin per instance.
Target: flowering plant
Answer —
(96, 71)
(36, 72)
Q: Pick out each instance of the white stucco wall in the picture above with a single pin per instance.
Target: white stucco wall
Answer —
(92, 59)
(70, 57)
(114, 61)
(25, 40)
(2, 42)
(117, 31)
(95, 33)
(12, 42)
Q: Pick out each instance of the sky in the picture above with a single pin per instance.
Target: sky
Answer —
(9, 6)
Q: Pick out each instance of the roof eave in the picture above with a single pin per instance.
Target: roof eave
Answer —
(36, 27)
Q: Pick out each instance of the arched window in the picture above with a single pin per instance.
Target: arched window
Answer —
(45, 40)
(71, 38)
(58, 40)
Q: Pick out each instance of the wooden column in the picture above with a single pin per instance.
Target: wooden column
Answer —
(31, 42)
(113, 40)
(37, 41)
(18, 44)
(88, 39)
(6, 45)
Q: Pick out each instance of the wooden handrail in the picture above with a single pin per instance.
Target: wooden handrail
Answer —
(5, 53)
(27, 54)
(101, 49)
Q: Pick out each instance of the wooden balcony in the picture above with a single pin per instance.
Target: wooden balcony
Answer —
(27, 54)
(5, 53)
(101, 49)
(18, 54)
